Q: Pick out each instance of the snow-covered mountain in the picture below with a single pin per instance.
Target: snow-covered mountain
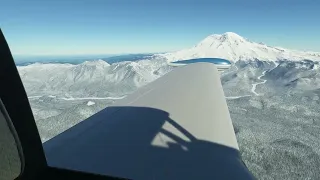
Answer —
(91, 78)
(233, 47)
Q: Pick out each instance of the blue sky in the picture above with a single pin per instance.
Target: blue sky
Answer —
(132, 26)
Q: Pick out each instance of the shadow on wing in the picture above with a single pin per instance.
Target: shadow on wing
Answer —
(118, 141)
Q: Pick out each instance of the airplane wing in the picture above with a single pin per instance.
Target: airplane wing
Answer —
(177, 127)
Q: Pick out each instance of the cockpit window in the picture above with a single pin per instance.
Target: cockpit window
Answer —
(78, 58)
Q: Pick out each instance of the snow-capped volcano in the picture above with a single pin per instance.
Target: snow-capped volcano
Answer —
(233, 47)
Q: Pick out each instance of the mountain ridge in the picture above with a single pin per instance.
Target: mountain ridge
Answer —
(234, 47)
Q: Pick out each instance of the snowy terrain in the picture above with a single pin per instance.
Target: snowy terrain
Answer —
(90, 79)
(273, 96)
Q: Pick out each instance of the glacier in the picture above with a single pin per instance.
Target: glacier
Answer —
(273, 95)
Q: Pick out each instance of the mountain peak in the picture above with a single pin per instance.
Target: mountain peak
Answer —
(231, 35)
(225, 36)
(234, 47)
(217, 39)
